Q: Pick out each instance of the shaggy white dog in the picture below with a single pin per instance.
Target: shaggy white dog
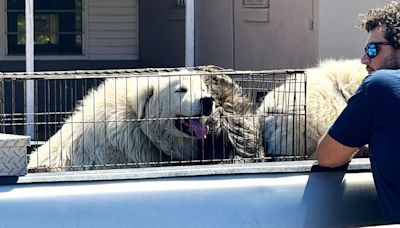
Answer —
(329, 87)
(132, 120)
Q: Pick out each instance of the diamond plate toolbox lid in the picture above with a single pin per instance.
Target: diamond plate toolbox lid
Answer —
(13, 154)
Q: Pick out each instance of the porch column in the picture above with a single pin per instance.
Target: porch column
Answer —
(29, 58)
(189, 31)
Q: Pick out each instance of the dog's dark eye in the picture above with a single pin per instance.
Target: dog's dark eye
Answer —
(181, 90)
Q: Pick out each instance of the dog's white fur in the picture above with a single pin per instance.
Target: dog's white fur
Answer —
(329, 87)
(110, 126)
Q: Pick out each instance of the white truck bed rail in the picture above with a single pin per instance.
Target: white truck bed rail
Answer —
(279, 194)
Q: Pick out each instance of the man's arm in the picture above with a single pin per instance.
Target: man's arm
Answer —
(331, 153)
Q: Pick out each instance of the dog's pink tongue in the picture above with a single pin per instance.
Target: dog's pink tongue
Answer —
(199, 128)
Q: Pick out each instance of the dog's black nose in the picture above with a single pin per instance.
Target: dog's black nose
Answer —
(207, 103)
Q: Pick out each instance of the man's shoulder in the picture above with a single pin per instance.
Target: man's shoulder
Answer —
(384, 75)
(382, 80)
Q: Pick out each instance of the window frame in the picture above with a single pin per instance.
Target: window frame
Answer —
(61, 56)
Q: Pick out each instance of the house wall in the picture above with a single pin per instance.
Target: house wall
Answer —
(110, 39)
(282, 35)
(162, 33)
(113, 30)
(286, 34)
(214, 33)
(339, 35)
(287, 40)
(229, 35)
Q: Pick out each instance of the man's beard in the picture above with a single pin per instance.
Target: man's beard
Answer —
(392, 62)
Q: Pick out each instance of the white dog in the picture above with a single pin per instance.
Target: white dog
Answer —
(132, 120)
(329, 87)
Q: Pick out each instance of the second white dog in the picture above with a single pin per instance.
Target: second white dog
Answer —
(329, 87)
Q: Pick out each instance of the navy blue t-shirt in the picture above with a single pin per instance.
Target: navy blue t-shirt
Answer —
(372, 117)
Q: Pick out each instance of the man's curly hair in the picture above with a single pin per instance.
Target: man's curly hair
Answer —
(388, 17)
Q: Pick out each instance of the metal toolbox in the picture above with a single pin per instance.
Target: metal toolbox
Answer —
(13, 154)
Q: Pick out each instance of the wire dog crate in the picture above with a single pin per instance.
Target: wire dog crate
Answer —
(279, 98)
(149, 117)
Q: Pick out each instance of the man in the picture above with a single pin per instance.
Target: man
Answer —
(372, 115)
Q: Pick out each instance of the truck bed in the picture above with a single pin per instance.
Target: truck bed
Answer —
(275, 194)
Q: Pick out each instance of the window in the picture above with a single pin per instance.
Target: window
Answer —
(58, 27)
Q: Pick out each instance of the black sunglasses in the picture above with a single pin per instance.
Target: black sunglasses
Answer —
(371, 50)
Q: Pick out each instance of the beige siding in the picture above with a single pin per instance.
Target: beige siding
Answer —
(112, 30)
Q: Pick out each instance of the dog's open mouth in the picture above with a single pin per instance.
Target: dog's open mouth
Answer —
(192, 126)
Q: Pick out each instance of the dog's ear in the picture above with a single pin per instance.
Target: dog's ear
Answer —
(146, 91)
